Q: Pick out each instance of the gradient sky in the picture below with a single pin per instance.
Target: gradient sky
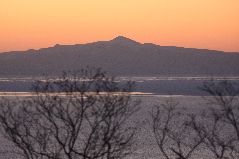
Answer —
(212, 24)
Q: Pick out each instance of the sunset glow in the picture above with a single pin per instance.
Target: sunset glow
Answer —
(211, 24)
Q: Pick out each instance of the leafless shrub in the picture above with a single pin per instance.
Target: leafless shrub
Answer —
(215, 131)
(220, 121)
(175, 139)
(83, 114)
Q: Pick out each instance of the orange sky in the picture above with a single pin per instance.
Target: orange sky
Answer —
(212, 24)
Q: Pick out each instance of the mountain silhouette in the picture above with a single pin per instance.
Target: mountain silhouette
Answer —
(123, 57)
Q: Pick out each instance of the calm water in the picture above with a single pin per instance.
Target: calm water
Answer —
(151, 85)
(151, 90)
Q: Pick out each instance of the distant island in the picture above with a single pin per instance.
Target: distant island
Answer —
(122, 57)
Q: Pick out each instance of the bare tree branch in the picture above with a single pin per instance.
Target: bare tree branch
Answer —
(83, 114)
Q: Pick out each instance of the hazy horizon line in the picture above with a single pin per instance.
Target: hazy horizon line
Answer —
(96, 41)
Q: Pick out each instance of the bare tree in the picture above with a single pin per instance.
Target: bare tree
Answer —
(181, 134)
(219, 123)
(84, 114)
(175, 139)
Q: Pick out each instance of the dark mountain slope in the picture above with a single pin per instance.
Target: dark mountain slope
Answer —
(121, 56)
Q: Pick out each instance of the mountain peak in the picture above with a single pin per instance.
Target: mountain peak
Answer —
(124, 40)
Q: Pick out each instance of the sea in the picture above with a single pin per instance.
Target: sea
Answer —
(151, 91)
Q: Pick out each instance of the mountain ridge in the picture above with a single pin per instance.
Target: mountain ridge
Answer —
(121, 56)
(118, 38)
